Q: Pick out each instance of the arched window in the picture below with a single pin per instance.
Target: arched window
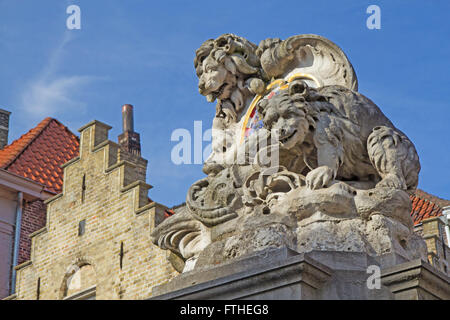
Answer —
(80, 283)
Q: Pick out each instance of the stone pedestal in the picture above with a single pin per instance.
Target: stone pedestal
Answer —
(284, 274)
(416, 280)
(269, 274)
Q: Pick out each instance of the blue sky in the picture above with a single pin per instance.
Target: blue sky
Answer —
(141, 52)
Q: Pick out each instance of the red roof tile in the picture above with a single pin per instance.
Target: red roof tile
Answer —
(41, 151)
(425, 205)
(436, 200)
(168, 213)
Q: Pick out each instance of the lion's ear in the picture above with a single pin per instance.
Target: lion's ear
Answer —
(229, 65)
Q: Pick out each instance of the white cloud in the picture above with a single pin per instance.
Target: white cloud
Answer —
(51, 96)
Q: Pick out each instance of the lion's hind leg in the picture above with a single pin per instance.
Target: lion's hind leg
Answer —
(394, 157)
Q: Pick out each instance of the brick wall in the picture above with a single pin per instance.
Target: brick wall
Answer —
(109, 195)
(434, 235)
(33, 218)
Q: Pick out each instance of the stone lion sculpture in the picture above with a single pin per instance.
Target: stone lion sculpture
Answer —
(225, 67)
(343, 134)
(343, 171)
(229, 71)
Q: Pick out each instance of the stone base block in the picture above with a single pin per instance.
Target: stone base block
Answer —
(284, 274)
(269, 274)
(416, 280)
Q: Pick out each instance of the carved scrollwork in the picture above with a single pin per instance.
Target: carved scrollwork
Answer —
(311, 54)
(263, 188)
(215, 199)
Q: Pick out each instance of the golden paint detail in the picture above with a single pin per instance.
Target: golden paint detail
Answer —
(275, 82)
(283, 85)
(304, 76)
(247, 115)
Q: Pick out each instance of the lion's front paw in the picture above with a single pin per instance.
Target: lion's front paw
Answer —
(319, 177)
(392, 181)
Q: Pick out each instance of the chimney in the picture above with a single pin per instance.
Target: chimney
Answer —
(4, 128)
(129, 140)
(127, 118)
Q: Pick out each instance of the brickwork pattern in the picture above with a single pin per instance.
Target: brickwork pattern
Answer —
(438, 251)
(33, 218)
(4, 118)
(110, 195)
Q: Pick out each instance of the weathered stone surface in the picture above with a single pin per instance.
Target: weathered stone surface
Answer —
(341, 218)
(416, 280)
(285, 274)
(268, 274)
(299, 159)
(280, 274)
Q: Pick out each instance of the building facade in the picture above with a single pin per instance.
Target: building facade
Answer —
(30, 173)
(431, 217)
(96, 241)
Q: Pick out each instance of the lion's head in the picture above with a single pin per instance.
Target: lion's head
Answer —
(290, 113)
(223, 67)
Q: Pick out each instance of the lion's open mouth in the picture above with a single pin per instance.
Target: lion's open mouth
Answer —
(219, 92)
(287, 138)
(215, 94)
